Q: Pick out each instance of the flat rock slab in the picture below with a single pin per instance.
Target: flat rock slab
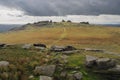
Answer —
(62, 48)
(100, 63)
(40, 48)
(90, 61)
(39, 45)
(78, 76)
(45, 78)
(115, 69)
(90, 58)
(27, 46)
(47, 70)
(57, 48)
(112, 71)
(105, 63)
(70, 52)
(93, 50)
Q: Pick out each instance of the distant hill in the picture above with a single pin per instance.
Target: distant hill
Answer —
(7, 27)
(111, 25)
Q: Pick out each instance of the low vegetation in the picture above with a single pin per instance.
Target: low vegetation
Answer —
(23, 62)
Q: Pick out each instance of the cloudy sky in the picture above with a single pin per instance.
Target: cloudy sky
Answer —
(94, 11)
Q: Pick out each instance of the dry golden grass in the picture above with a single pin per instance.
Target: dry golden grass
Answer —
(65, 33)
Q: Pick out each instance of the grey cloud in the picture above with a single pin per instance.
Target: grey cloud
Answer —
(64, 7)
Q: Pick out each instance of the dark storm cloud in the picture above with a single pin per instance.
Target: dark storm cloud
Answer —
(64, 7)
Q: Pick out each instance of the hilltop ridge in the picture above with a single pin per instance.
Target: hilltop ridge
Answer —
(46, 24)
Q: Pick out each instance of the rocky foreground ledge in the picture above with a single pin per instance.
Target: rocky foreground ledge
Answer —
(104, 66)
(56, 68)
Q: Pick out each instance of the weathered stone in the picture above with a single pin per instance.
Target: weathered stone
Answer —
(69, 48)
(105, 63)
(106, 67)
(62, 48)
(78, 76)
(40, 48)
(42, 23)
(93, 50)
(26, 46)
(90, 61)
(57, 48)
(70, 52)
(70, 77)
(100, 63)
(47, 70)
(31, 77)
(45, 78)
(61, 60)
(4, 63)
(115, 69)
(39, 45)
(64, 59)
(75, 76)
(2, 45)
(63, 74)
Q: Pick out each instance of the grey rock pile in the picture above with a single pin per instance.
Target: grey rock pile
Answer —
(47, 70)
(64, 49)
(102, 66)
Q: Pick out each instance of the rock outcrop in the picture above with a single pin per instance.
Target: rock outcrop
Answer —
(47, 70)
(115, 69)
(93, 50)
(40, 46)
(45, 78)
(105, 63)
(64, 49)
(2, 45)
(75, 76)
(90, 61)
(57, 48)
(105, 66)
(27, 46)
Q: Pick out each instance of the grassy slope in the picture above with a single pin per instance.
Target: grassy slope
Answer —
(78, 35)
(67, 33)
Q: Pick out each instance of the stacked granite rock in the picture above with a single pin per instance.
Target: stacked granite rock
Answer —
(104, 66)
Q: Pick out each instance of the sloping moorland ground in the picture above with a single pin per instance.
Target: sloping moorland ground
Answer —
(79, 35)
